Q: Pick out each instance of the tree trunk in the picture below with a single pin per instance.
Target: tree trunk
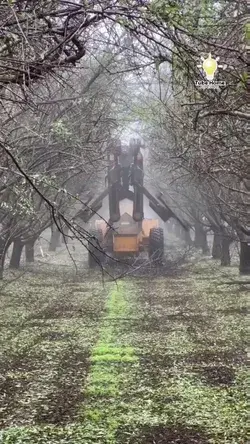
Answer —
(175, 229)
(65, 238)
(245, 258)
(200, 238)
(217, 246)
(16, 253)
(29, 250)
(169, 226)
(4, 245)
(187, 238)
(225, 251)
(55, 239)
(2, 256)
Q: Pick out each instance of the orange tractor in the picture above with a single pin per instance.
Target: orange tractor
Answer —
(126, 234)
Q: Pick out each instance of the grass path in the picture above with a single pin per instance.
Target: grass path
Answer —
(163, 363)
(112, 363)
(190, 387)
(48, 325)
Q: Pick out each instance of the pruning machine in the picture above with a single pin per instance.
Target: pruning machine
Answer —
(126, 234)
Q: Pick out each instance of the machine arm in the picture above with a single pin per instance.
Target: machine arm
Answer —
(93, 207)
(160, 197)
(162, 209)
(163, 212)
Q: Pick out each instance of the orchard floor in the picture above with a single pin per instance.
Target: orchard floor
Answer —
(145, 360)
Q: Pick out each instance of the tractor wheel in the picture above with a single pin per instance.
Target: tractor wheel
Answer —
(95, 255)
(156, 244)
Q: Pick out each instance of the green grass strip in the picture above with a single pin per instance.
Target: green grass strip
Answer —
(111, 362)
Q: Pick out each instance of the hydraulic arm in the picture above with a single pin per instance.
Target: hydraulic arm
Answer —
(125, 169)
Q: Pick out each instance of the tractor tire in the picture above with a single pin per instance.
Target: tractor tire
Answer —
(156, 244)
(95, 254)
